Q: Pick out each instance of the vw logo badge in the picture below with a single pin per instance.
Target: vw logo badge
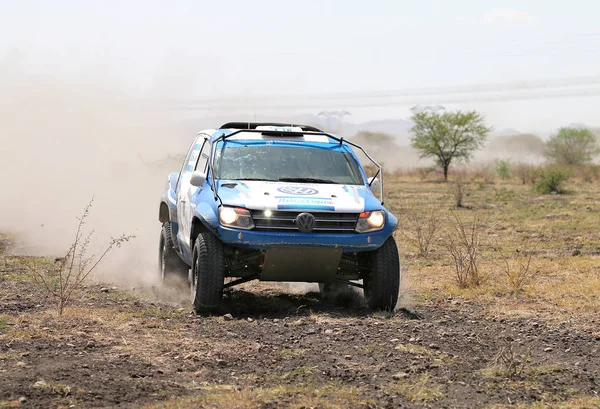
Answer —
(298, 190)
(305, 222)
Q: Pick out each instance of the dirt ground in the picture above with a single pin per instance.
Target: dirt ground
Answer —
(117, 349)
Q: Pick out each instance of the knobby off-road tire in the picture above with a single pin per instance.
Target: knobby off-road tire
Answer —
(382, 285)
(208, 273)
(172, 270)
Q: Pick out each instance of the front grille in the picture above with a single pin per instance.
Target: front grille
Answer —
(286, 221)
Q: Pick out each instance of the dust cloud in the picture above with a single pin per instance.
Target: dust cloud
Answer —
(67, 139)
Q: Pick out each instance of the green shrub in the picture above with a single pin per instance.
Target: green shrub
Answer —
(551, 180)
(503, 169)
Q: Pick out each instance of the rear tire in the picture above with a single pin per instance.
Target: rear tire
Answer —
(382, 286)
(172, 270)
(208, 272)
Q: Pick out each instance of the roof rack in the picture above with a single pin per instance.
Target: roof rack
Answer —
(253, 125)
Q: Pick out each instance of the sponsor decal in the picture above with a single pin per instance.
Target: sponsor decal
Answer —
(313, 203)
(298, 190)
(283, 200)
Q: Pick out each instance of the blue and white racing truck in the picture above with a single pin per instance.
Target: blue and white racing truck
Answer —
(277, 202)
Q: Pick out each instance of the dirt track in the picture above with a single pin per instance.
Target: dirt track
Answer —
(113, 349)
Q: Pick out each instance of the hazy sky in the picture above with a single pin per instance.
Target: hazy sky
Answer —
(247, 49)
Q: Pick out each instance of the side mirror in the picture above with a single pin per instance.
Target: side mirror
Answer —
(374, 183)
(198, 179)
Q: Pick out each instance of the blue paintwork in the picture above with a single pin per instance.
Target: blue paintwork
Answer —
(205, 209)
(351, 242)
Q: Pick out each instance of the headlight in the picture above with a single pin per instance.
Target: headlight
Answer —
(235, 217)
(370, 221)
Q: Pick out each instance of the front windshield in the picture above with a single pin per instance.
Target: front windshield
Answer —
(243, 161)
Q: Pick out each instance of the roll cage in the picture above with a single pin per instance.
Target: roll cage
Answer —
(306, 130)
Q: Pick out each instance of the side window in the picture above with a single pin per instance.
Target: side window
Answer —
(203, 160)
(193, 150)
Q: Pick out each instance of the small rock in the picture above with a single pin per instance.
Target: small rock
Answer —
(568, 350)
(434, 346)
(395, 340)
(328, 331)
(311, 331)
(221, 362)
(181, 309)
(22, 400)
(412, 340)
(276, 320)
(41, 384)
(113, 288)
(348, 357)
(90, 344)
(399, 375)
(250, 319)
(228, 317)
(548, 349)
(104, 290)
(21, 364)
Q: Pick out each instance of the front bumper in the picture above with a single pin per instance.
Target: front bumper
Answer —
(349, 242)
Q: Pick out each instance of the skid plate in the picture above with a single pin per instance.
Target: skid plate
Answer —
(302, 264)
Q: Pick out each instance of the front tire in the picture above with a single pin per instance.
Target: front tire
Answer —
(208, 272)
(172, 270)
(382, 285)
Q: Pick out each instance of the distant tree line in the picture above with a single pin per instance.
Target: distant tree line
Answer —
(454, 136)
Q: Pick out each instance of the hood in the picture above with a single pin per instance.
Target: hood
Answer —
(257, 195)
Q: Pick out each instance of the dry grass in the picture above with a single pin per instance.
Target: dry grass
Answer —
(229, 396)
(588, 402)
(419, 390)
(517, 269)
(558, 264)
